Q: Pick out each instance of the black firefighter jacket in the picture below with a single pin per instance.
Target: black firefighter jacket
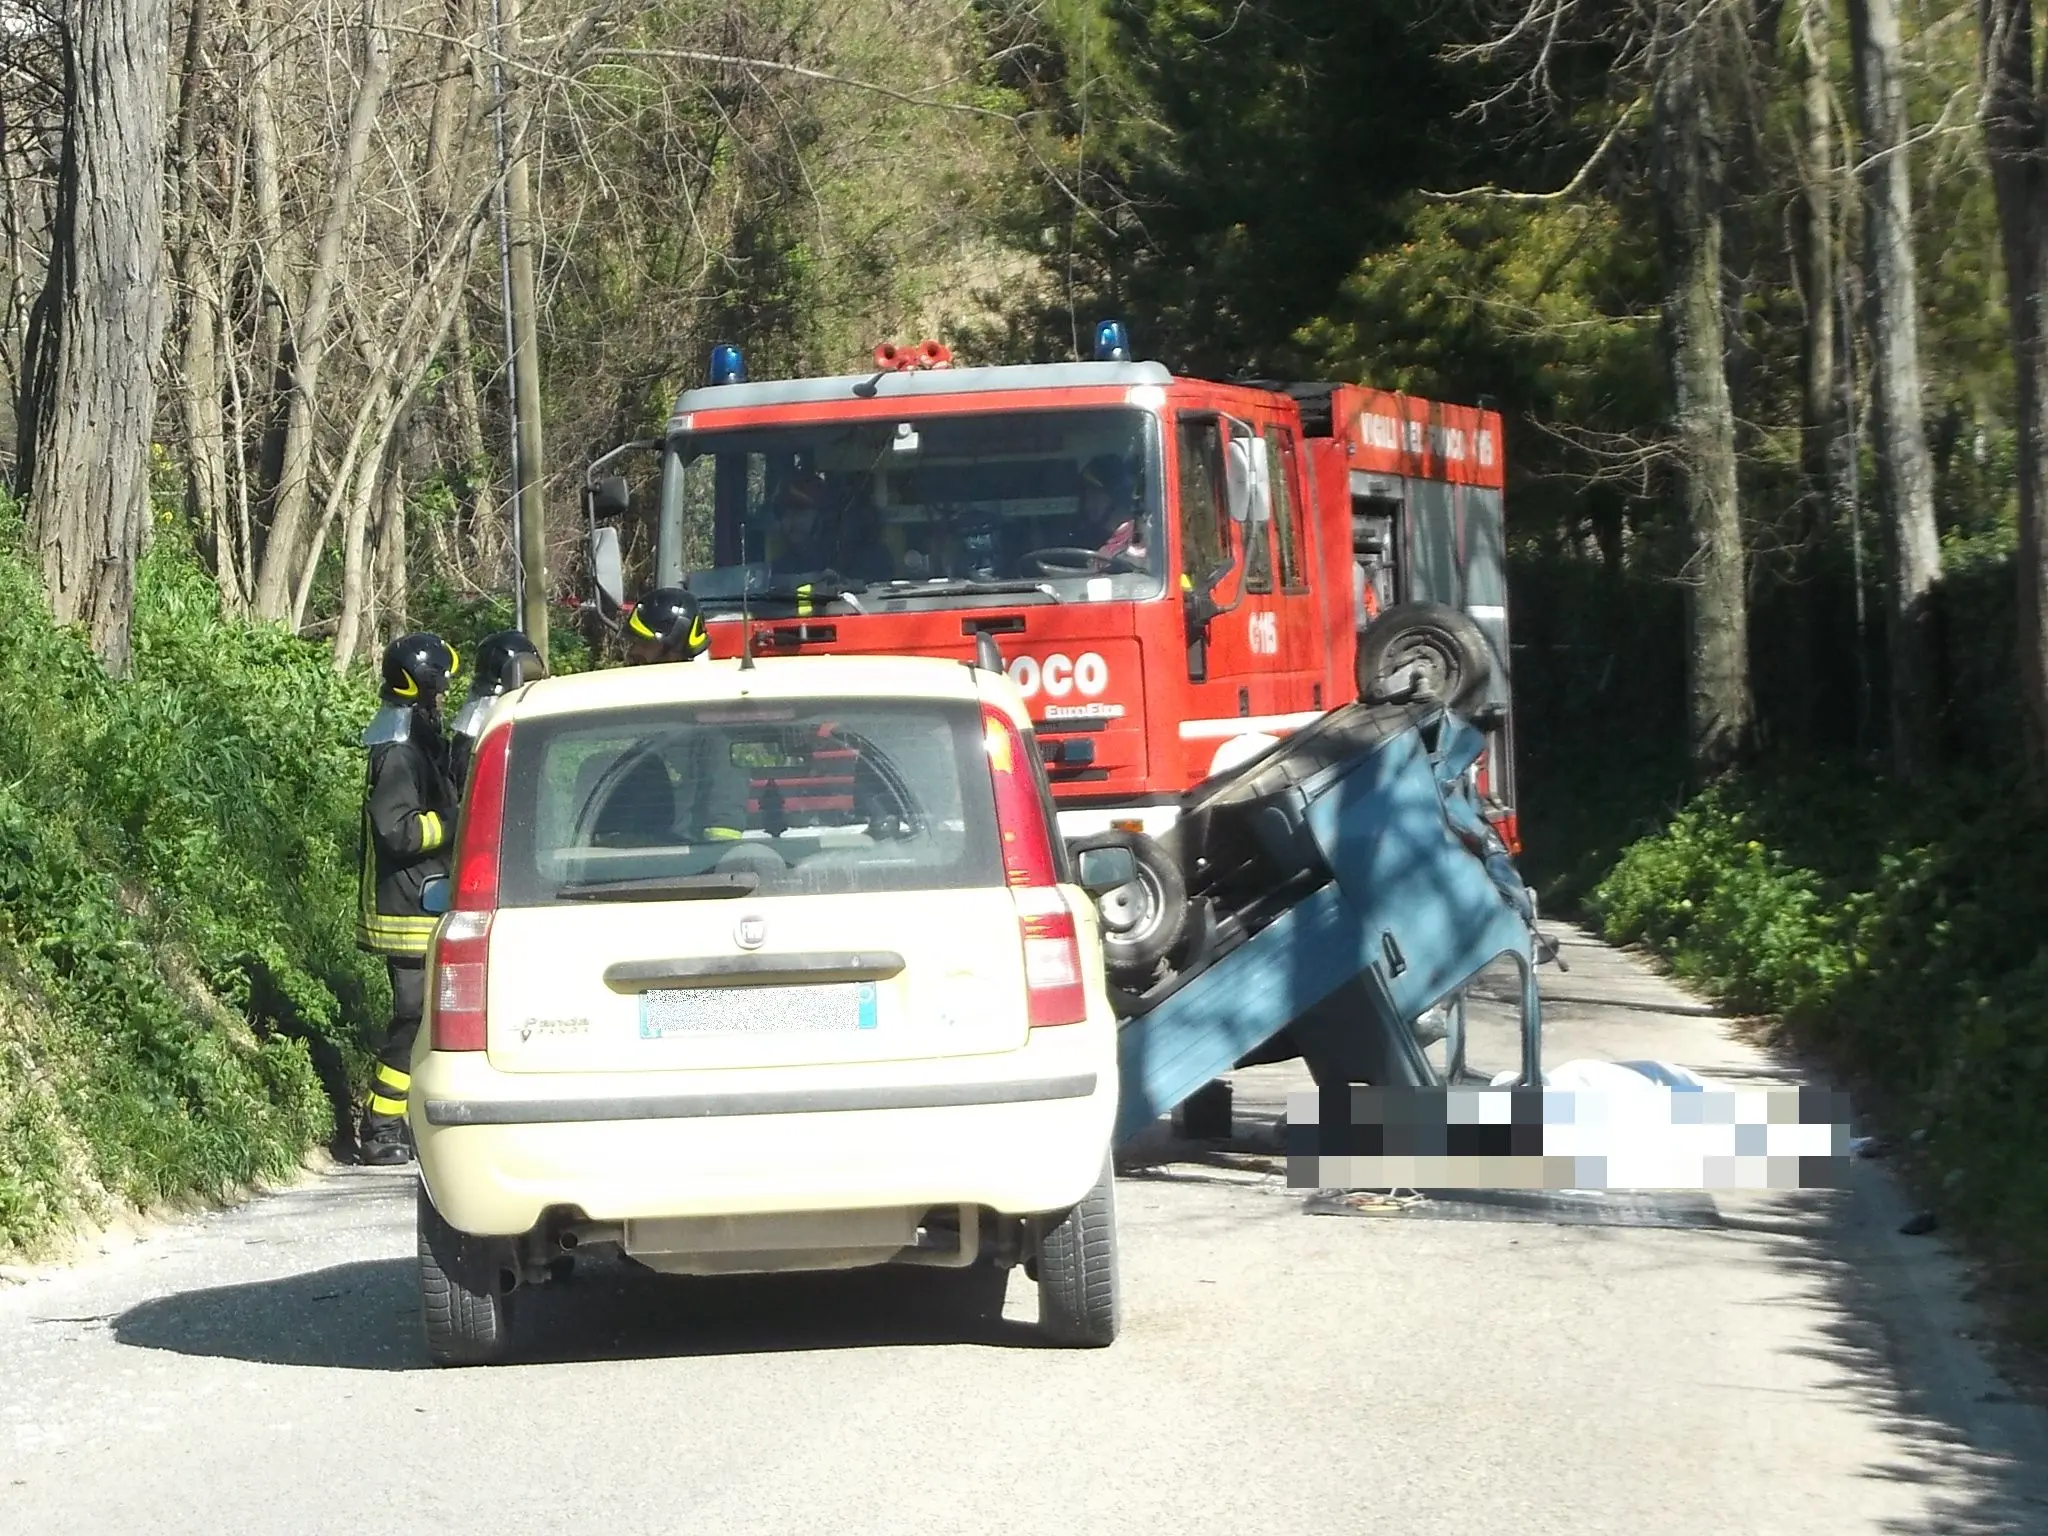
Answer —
(409, 810)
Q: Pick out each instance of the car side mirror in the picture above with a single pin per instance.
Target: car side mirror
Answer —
(1102, 870)
(434, 895)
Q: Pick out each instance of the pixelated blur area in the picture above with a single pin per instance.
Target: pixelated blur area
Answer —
(1566, 1139)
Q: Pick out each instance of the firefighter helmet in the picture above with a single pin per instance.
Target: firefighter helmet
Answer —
(668, 621)
(803, 491)
(418, 669)
(505, 661)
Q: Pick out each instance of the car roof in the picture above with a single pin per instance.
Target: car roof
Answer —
(770, 677)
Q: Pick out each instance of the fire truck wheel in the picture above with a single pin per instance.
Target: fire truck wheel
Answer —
(1142, 921)
(1428, 652)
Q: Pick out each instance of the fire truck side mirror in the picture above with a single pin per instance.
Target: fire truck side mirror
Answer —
(1246, 483)
(1200, 609)
(606, 568)
(1238, 477)
(611, 497)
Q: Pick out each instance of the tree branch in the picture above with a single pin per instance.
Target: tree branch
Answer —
(1570, 189)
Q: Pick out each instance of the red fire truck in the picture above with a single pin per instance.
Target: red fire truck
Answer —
(1177, 572)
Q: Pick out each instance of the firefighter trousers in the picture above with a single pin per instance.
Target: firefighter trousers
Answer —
(393, 1077)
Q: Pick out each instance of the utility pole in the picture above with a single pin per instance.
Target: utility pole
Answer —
(529, 479)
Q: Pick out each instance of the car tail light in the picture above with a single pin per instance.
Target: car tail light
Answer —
(483, 818)
(1052, 948)
(462, 946)
(462, 975)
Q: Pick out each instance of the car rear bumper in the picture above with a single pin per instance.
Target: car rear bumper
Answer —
(1021, 1133)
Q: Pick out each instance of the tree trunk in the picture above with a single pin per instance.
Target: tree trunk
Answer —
(272, 368)
(355, 562)
(411, 353)
(2016, 134)
(391, 588)
(1905, 467)
(1824, 421)
(531, 487)
(456, 120)
(199, 378)
(1686, 129)
(93, 391)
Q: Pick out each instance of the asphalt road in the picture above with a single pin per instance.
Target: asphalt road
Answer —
(1756, 1364)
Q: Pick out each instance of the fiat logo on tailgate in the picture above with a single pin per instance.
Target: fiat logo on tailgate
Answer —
(751, 931)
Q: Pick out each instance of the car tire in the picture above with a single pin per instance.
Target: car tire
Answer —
(1080, 1298)
(1133, 957)
(465, 1301)
(1437, 651)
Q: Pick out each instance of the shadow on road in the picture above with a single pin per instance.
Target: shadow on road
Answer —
(365, 1316)
(1959, 1431)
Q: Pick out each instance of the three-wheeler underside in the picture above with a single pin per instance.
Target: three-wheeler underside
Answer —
(1341, 887)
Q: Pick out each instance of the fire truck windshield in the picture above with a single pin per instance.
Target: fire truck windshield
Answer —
(925, 510)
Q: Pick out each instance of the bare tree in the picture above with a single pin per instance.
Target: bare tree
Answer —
(310, 339)
(1905, 468)
(98, 324)
(2016, 134)
(333, 169)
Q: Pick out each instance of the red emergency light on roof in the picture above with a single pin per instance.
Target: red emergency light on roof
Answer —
(891, 358)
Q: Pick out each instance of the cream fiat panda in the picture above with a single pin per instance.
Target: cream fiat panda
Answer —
(746, 968)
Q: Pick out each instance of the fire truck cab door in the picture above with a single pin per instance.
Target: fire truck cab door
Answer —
(1224, 479)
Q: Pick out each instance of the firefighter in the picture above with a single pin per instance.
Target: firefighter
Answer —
(504, 661)
(1111, 522)
(409, 808)
(804, 537)
(819, 532)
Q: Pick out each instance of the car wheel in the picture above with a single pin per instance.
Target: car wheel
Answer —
(465, 1291)
(1080, 1302)
(1428, 652)
(1153, 908)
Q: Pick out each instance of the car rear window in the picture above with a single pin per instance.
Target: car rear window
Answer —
(789, 797)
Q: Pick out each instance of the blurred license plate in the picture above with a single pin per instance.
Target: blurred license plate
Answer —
(757, 1010)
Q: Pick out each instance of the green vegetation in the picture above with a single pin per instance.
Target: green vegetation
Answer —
(181, 1001)
(1899, 932)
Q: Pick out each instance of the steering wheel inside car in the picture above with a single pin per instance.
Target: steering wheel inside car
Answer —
(1065, 560)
